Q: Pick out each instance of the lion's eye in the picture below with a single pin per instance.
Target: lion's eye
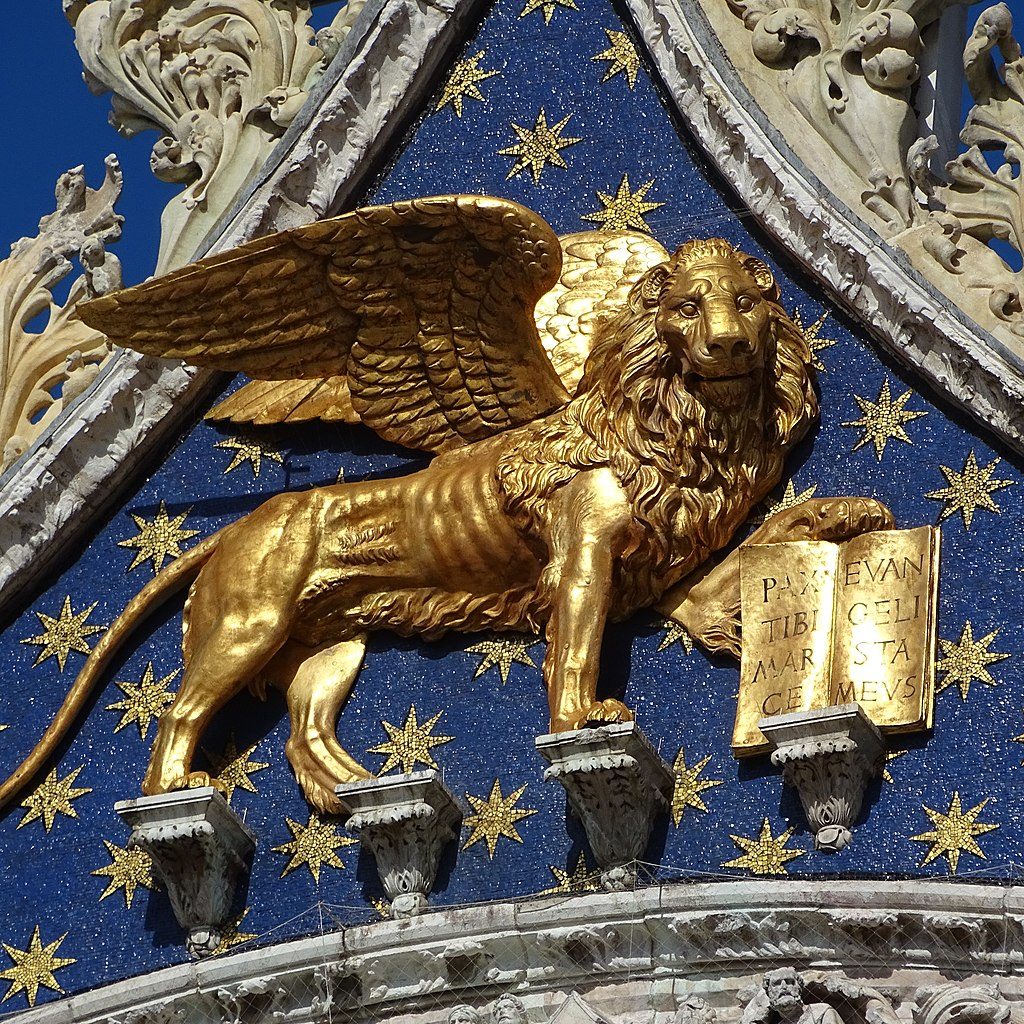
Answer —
(689, 309)
(745, 303)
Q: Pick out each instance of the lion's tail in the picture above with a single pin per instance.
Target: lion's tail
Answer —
(167, 583)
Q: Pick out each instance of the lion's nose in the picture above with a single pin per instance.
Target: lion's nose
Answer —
(727, 348)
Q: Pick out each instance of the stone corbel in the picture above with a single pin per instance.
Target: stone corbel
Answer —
(405, 821)
(829, 755)
(201, 851)
(617, 785)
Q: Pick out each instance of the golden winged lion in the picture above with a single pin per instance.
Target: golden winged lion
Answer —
(605, 416)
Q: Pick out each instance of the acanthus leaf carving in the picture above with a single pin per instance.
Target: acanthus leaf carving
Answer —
(40, 372)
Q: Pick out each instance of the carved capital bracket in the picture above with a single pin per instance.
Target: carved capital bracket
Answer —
(201, 851)
(617, 784)
(829, 755)
(406, 821)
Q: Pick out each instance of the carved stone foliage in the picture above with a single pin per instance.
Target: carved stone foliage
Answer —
(220, 79)
(848, 67)
(42, 370)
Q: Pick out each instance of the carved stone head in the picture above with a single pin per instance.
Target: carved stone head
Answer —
(508, 1009)
(784, 989)
(464, 1014)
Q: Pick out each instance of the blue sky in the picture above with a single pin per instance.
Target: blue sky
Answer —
(54, 123)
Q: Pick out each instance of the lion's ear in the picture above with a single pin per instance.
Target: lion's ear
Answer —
(652, 282)
(759, 271)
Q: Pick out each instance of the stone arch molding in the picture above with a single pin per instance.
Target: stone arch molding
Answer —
(707, 953)
(902, 247)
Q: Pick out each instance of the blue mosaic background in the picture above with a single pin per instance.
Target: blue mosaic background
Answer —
(682, 700)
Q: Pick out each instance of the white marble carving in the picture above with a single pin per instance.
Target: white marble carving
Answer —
(63, 356)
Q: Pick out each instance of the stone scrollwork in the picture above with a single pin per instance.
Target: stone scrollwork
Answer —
(220, 79)
(41, 371)
(848, 67)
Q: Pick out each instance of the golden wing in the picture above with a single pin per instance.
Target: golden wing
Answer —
(598, 270)
(261, 402)
(425, 307)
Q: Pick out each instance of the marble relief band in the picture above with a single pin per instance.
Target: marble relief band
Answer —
(647, 950)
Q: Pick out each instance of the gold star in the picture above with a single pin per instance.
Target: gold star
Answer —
(812, 335)
(964, 662)
(63, 635)
(313, 844)
(625, 209)
(464, 82)
(790, 499)
(382, 906)
(495, 817)
(953, 833)
(580, 879)
(411, 744)
(539, 146)
(548, 7)
(689, 786)
(143, 701)
(232, 935)
(621, 56)
(675, 634)
(33, 967)
(764, 855)
(52, 797)
(503, 652)
(892, 755)
(159, 539)
(232, 769)
(128, 869)
(969, 490)
(248, 450)
(883, 419)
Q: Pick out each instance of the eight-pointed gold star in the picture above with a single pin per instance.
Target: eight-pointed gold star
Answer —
(495, 817)
(548, 7)
(954, 833)
(232, 934)
(248, 450)
(884, 419)
(538, 146)
(625, 209)
(64, 634)
(159, 539)
(503, 652)
(143, 701)
(34, 967)
(410, 745)
(313, 844)
(689, 786)
(232, 769)
(464, 83)
(675, 634)
(580, 879)
(812, 335)
(127, 870)
(52, 797)
(790, 499)
(765, 855)
(970, 489)
(967, 660)
(621, 56)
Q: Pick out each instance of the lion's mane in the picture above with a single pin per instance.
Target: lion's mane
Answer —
(686, 467)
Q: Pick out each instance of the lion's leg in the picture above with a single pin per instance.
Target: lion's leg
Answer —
(707, 603)
(586, 538)
(317, 682)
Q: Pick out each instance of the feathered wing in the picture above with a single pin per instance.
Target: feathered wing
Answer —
(598, 270)
(424, 309)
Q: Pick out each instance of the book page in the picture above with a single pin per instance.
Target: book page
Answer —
(884, 648)
(786, 593)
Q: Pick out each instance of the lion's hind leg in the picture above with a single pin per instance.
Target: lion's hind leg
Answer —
(316, 682)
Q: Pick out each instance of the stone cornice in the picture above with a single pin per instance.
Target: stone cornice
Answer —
(74, 474)
(906, 937)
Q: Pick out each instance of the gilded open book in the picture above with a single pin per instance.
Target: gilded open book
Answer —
(827, 624)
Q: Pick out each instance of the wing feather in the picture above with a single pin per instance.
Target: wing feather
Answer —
(423, 309)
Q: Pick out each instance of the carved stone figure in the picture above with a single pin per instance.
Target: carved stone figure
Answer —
(508, 1009)
(695, 1010)
(782, 999)
(464, 1014)
(569, 488)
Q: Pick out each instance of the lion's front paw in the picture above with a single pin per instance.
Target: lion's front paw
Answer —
(841, 518)
(198, 780)
(601, 712)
